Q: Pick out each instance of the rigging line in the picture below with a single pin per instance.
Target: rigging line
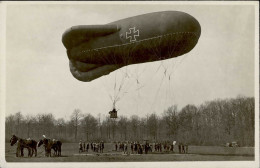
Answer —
(113, 58)
(115, 87)
(123, 85)
(158, 68)
(125, 51)
(123, 91)
(170, 49)
(124, 71)
(183, 58)
(175, 67)
(165, 68)
(126, 78)
(157, 92)
(172, 94)
(138, 93)
(157, 49)
(136, 73)
(109, 95)
(172, 70)
(131, 85)
(145, 66)
(101, 52)
(169, 89)
(127, 83)
(117, 97)
(128, 51)
(120, 87)
(154, 48)
(152, 76)
(128, 88)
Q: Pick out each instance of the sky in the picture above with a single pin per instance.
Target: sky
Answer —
(38, 79)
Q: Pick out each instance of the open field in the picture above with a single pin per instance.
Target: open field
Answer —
(196, 153)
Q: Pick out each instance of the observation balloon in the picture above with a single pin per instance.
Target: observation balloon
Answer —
(97, 50)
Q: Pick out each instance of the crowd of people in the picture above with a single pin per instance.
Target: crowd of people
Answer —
(136, 147)
(93, 146)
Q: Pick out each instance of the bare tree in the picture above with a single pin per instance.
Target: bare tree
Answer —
(28, 121)
(134, 124)
(211, 123)
(152, 125)
(122, 127)
(89, 124)
(61, 125)
(9, 125)
(75, 119)
(170, 118)
(18, 120)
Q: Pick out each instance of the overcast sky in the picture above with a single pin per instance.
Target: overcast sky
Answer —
(38, 79)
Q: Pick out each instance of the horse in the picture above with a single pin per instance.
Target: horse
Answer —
(51, 144)
(30, 144)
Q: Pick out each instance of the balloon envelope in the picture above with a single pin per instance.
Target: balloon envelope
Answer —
(97, 50)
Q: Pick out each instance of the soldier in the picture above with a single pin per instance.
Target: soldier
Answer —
(87, 146)
(84, 146)
(102, 146)
(135, 147)
(173, 145)
(146, 146)
(91, 146)
(116, 146)
(186, 148)
(94, 147)
(132, 147)
(183, 148)
(125, 148)
(45, 147)
(97, 147)
(179, 145)
(80, 146)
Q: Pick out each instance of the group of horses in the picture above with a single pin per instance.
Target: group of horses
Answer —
(32, 145)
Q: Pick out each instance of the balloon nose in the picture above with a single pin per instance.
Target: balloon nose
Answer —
(194, 26)
(189, 24)
(179, 22)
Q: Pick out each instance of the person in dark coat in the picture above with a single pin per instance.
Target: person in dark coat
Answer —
(132, 147)
(116, 146)
(183, 148)
(87, 146)
(179, 145)
(80, 147)
(84, 146)
(186, 148)
(102, 146)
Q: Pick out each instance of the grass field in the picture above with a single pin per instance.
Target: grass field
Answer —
(196, 153)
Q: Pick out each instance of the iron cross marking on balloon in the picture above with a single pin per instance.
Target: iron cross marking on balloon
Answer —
(132, 34)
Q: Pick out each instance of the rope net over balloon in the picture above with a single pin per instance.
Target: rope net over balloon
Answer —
(127, 79)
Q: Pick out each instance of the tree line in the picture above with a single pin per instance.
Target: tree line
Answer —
(211, 123)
